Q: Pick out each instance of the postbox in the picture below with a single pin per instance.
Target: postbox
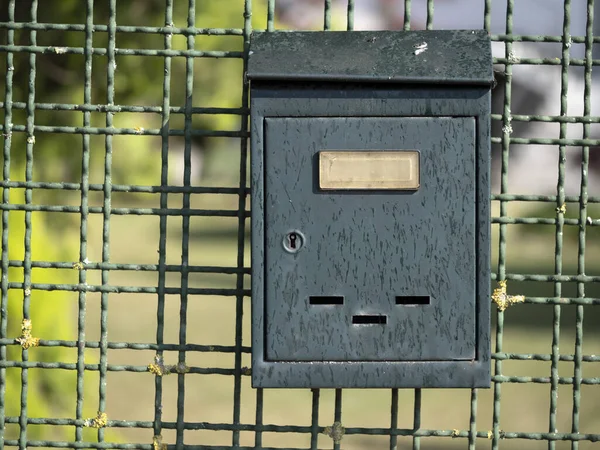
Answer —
(370, 195)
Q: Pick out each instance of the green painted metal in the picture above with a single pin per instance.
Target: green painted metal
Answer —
(451, 57)
(474, 435)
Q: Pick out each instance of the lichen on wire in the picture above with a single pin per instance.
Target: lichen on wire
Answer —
(335, 432)
(157, 443)
(159, 368)
(502, 299)
(100, 421)
(26, 339)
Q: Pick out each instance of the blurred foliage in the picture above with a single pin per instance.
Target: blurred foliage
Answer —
(57, 157)
(49, 394)
(60, 78)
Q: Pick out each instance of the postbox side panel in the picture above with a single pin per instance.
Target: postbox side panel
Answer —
(404, 257)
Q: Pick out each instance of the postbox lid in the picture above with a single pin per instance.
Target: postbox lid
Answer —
(425, 57)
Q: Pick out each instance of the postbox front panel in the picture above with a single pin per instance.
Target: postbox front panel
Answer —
(363, 262)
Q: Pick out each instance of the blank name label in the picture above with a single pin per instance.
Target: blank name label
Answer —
(359, 170)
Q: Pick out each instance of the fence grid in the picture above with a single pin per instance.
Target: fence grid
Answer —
(20, 139)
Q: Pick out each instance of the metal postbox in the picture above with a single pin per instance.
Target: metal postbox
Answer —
(370, 209)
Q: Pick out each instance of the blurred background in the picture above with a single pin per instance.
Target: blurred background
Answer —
(215, 162)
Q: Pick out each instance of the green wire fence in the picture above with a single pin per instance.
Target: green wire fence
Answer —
(41, 409)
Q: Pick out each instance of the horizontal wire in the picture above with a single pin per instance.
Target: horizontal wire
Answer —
(562, 301)
(133, 267)
(130, 108)
(542, 61)
(188, 425)
(225, 371)
(540, 38)
(125, 211)
(125, 188)
(231, 349)
(542, 380)
(298, 429)
(230, 291)
(548, 278)
(134, 346)
(57, 50)
(247, 270)
(549, 141)
(125, 131)
(540, 198)
(244, 111)
(236, 191)
(126, 289)
(244, 134)
(47, 49)
(110, 367)
(234, 213)
(541, 221)
(186, 31)
(541, 357)
(545, 118)
(193, 31)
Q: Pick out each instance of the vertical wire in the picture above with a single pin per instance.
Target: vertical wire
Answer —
(162, 243)
(407, 11)
(473, 420)
(259, 419)
(241, 235)
(327, 15)
(30, 109)
(394, 420)
(350, 16)
(185, 238)
(559, 225)
(270, 15)
(8, 96)
(506, 119)
(417, 419)
(83, 231)
(314, 423)
(487, 16)
(487, 21)
(429, 25)
(337, 414)
(583, 199)
(106, 209)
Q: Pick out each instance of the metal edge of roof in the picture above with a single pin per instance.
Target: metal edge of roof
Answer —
(258, 75)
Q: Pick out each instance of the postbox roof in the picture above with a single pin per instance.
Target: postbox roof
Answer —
(423, 57)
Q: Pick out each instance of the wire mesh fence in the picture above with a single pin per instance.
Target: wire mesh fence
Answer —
(125, 253)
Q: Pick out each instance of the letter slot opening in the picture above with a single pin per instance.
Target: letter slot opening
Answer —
(413, 300)
(326, 300)
(369, 320)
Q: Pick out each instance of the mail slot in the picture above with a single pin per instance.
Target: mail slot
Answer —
(370, 209)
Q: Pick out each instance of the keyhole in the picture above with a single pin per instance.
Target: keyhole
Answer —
(293, 237)
(293, 241)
